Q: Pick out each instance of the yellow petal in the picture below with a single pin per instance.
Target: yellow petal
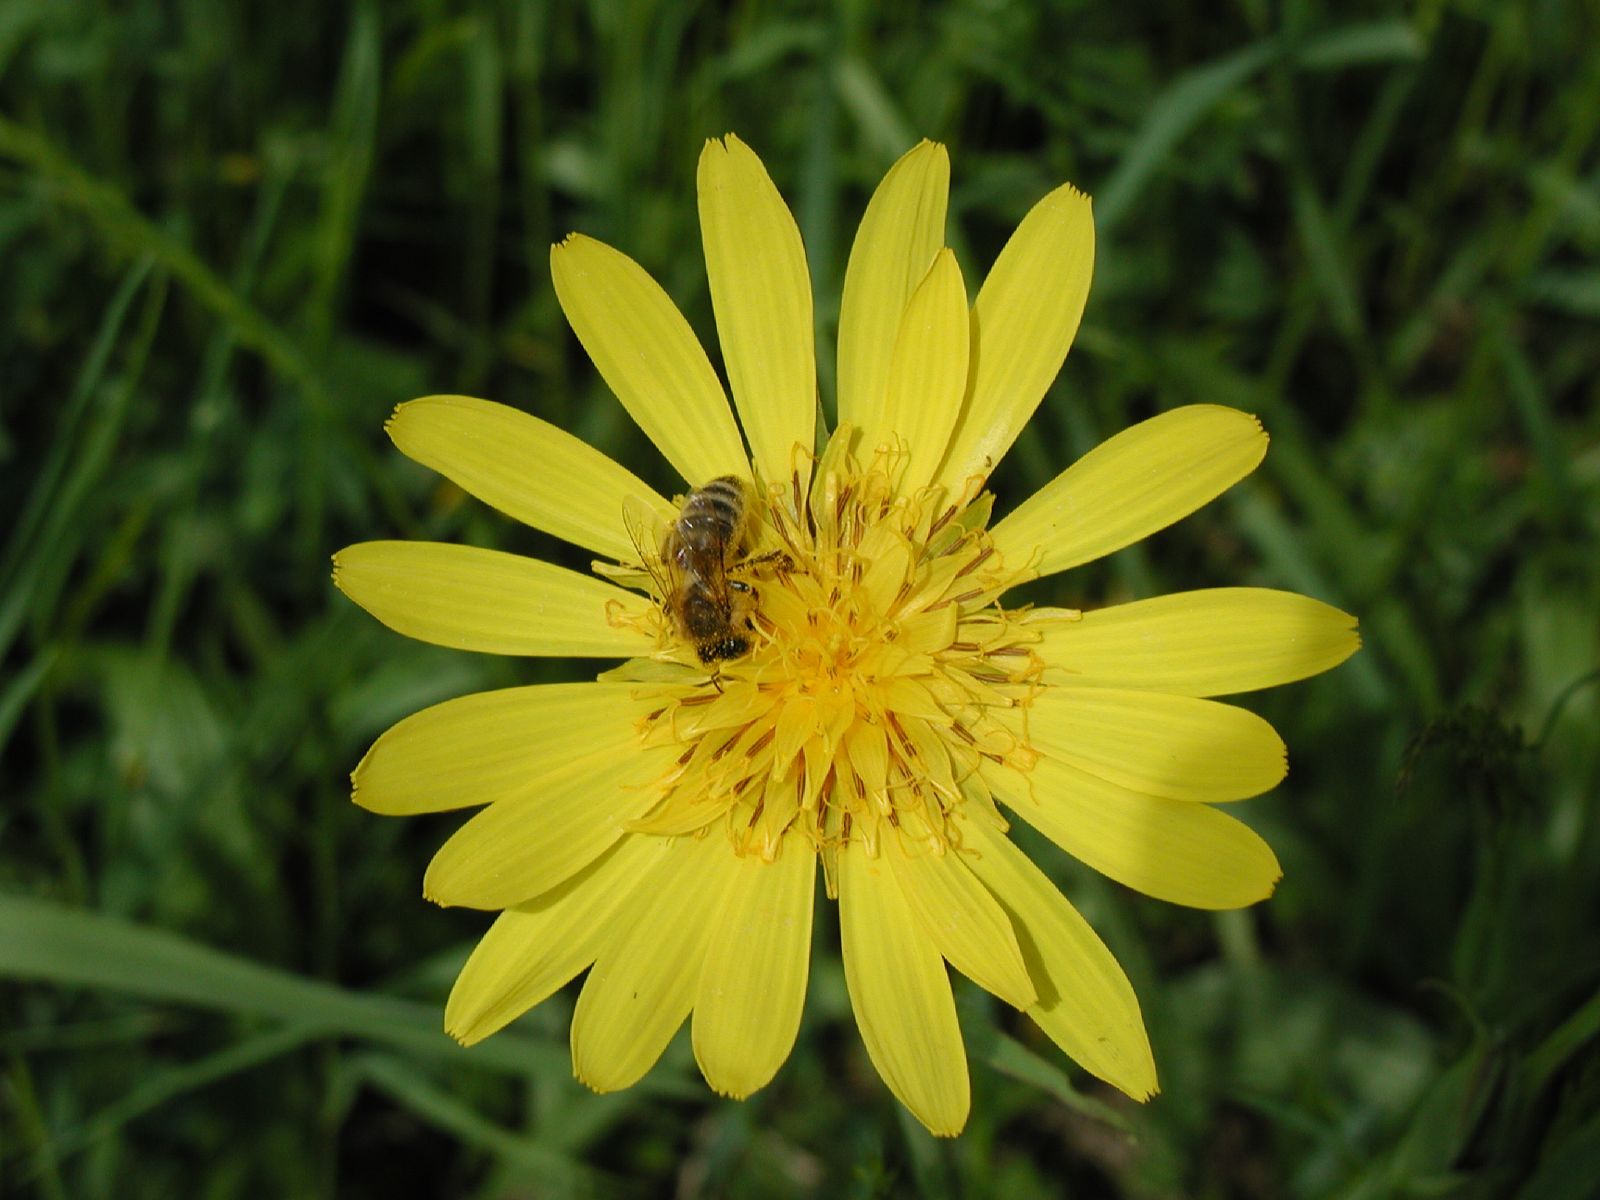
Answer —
(526, 468)
(1207, 643)
(961, 918)
(1086, 1004)
(648, 356)
(485, 747)
(644, 981)
(1128, 487)
(1170, 849)
(474, 599)
(1172, 746)
(901, 995)
(535, 948)
(523, 846)
(928, 373)
(753, 986)
(899, 234)
(1023, 323)
(761, 293)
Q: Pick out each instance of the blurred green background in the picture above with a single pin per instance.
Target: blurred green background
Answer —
(234, 235)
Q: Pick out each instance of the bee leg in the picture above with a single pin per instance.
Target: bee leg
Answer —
(779, 559)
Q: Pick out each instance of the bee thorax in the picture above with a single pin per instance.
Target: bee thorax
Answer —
(703, 614)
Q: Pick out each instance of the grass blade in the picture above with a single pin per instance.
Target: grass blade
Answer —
(43, 941)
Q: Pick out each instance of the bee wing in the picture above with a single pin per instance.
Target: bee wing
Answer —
(644, 528)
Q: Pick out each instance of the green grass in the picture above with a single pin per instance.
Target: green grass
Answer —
(233, 236)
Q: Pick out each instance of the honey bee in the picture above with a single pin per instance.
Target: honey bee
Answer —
(697, 565)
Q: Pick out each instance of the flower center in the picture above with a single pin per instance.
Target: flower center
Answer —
(882, 675)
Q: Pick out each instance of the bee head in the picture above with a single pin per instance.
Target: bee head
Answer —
(734, 645)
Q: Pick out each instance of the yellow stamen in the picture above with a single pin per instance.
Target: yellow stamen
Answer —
(867, 702)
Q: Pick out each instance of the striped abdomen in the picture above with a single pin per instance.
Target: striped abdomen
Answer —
(711, 527)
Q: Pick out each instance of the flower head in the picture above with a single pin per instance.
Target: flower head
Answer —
(883, 711)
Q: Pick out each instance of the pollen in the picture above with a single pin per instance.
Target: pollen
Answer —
(882, 674)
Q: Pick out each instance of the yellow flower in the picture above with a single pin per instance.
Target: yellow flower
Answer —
(661, 826)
